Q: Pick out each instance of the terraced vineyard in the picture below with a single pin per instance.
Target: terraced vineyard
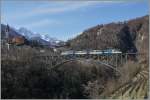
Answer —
(137, 88)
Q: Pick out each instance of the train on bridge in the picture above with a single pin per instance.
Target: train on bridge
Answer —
(91, 52)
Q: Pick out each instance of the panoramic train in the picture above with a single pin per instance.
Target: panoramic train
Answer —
(92, 52)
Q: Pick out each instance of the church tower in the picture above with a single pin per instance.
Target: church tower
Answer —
(7, 36)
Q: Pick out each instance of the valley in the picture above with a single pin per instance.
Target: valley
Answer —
(33, 67)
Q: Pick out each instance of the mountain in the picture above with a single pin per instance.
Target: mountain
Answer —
(23, 31)
(41, 38)
(12, 32)
(128, 36)
(32, 38)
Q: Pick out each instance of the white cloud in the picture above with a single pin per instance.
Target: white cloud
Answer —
(51, 7)
(68, 6)
(42, 23)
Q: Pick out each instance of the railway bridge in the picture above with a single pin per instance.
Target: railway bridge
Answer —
(109, 57)
(112, 57)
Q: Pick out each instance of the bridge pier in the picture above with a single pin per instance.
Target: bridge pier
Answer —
(121, 59)
(126, 57)
(98, 57)
(116, 63)
(111, 59)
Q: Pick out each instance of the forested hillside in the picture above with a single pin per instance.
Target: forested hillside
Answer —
(128, 36)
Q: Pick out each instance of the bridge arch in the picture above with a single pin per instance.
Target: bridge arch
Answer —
(95, 61)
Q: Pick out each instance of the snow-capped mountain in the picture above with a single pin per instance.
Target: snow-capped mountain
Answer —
(43, 38)
(25, 32)
(46, 37)
(31, 37)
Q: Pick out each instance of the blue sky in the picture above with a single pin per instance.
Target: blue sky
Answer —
(66, 19)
